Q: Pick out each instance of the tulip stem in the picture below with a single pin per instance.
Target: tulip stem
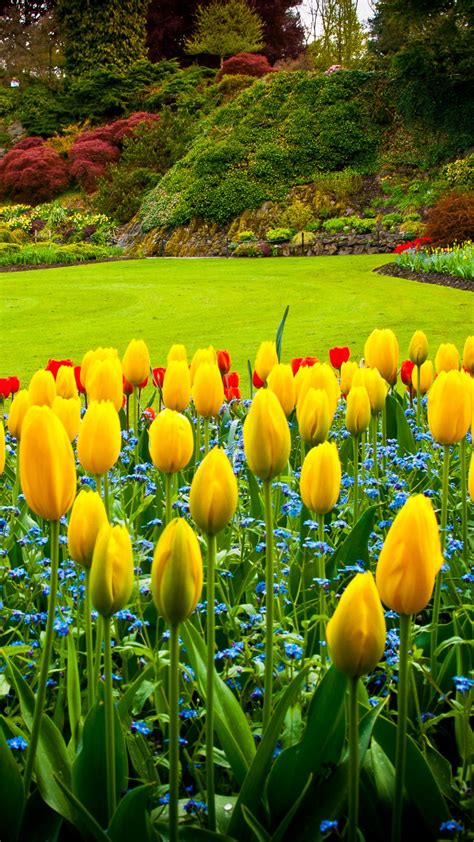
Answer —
(109, 721)
(384, 435)
(106, 495)
(174, 735)
(437, 592)
(462, 458)
(46, 656)
(373, 427)
(353, 761)
(135, 421)
(169, 497)
(322, 592)
(400, 756)
(211, 633)
(355, 440)
(303, 450)
(418, 398)
(269, 606)
(89, 651)
(206, 436)
(16, 485)
(98, 653)
(197, 451)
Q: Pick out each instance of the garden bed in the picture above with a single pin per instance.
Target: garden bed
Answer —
(440, 278)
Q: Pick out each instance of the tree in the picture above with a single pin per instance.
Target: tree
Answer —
(108, 34)
(28, 39)
(225, 29)
(337, 32)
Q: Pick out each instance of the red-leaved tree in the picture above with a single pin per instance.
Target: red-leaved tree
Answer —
(245, 64)
(89, 161)
(33, 175)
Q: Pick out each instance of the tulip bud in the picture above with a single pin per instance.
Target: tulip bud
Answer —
(66, 382)
(223, 361)
(410, 558)
(426, 377)
(338, 356)
(47, 464)
(42, 388)
(158, 377)
(302, 384)
(447, 357)
(320, 481)
(282, 383)
(177, 352)
(321, 376)
(99, 440)
(2, 448)
(88, 515)
(100, 354)
(348, 369)
(267, 440)
(356, 631)
(104, 381)
(418, 348)
(313, 417)
(136, 362)
(381, 352)
(375, 385)
(177, 385)
(208, 390)
(202, 355)
(265, 360)
(68, 410)
(176, 572)
(18, 410)
(358, 410)
(171, 441)
(213, 495)
(468, 355)
(449, 406)
(111, 581)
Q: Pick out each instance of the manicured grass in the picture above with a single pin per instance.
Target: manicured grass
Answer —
(232, 304)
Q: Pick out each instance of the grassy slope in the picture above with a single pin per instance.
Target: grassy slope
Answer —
(230, 303)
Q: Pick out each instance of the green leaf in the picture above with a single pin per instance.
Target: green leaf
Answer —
(73, 690)
(279, 336)
(253, 785)
(12, 795)
(321, 744)
(355, 546)
(420, 783)
(346, 452)
(132, 812)
(256, 505)
(280, 833)
(89, 773)
(128, 697)
(82, 816)
(405, 438)
(231, 725)
(259, 832)
(250, 371)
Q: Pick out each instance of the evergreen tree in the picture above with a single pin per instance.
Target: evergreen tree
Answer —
(225, 29)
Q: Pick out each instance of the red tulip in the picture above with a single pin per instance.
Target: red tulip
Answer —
(14, 384)
(5, 387)
(143, 383)
(223, 361)
(338, 356)
(79, 384)
(158, 377)
(54, 366)
(406, 371)
(127, 387)
(307, 362)
(256, 381)
(231, 386)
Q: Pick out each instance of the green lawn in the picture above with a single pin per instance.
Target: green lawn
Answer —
(230, 303)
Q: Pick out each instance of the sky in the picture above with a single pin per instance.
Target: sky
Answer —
(363, 9)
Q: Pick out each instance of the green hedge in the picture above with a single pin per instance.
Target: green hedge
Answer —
(280, 131)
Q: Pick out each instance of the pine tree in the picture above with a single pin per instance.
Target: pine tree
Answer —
(225, 29)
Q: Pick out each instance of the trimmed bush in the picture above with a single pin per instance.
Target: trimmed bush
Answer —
(279, 235)
(451, 220)
(245, 64)
(33, 175)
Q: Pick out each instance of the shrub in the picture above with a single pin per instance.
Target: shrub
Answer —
(43, 110)
(89, 161)
(390, 221)
(121, 193)
(306, 236)
(336, 225)
(451, 220)
(28, 143)
(250, 249)
(279, 235)
(33, 175)
(297, 216)
(362, 225)
(245, 64)
(460, 173)
(342, 185)
(245, 236)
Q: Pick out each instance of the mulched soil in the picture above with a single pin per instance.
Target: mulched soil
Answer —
(427, 277)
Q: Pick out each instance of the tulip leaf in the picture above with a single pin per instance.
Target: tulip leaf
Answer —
(256, 505)
(52, 759)
(231, 725)
(355, 547)
(89, 775)
(254, 783)
(405, 438)
(132, 812)
(420, 783)
(73, 690)
(321, 744)
(249, 369)
(83, 820)
(133, 688)
(259, 833)
(281, 328)
(12, 795)
(190, 833)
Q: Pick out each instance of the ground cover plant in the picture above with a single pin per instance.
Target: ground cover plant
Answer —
(238, 619)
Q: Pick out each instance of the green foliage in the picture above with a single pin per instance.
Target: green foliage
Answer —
(225, 29)
(43, 110)
(460, 173)
(13, 254)
(279, 235)
(7, 101)
(390, 221)
(120, 194)
(336, 225)
(358, 225)
(278, 132)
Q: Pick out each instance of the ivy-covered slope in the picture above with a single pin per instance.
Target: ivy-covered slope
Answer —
(280, 132)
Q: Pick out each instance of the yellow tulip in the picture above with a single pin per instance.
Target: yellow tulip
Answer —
(265, 360)
(410, 558)
(320, 481)
(66, 382)
(177, 385)
(88, 516)
(99, 354)
(104, 381)
(111, 581)
(171, 441)
(208, 390)
(47, 464)
(418, 348)
(468, 355)
(177, 352)
(267, 440)
(99, 440)
(2, 448)
(376, 389)
(382, 352)
(447, 357)
(426, 377)
(202, 355)
(471, 478)
(176, 572)
(449, 406)
(313, 417)
(301, 383)
(282, 383)
(213, 495)
(136, 362)
(18, 410)
(348, 369)
(321, 376)
(42, 388)
(358, 410)
(356, 631)
(68, 411)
